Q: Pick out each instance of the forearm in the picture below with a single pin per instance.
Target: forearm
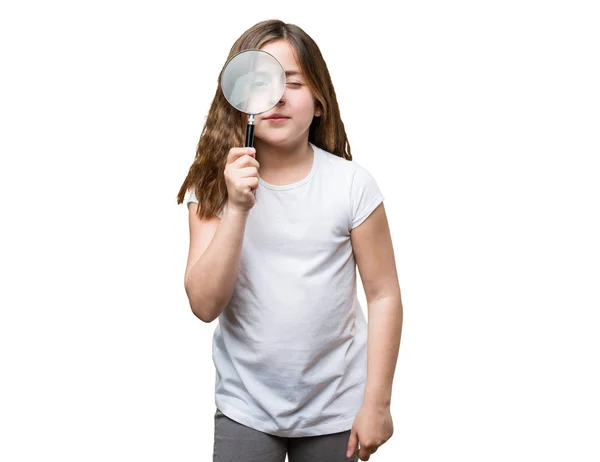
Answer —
(385, 329)
(210, 284)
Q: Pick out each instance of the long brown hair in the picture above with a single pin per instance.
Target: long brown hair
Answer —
(225, 126)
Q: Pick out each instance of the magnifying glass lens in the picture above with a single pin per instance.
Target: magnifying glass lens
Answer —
(253, 81)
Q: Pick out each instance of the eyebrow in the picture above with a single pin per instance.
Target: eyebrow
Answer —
(292, 72)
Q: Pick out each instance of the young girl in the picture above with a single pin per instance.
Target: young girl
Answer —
(275, 236)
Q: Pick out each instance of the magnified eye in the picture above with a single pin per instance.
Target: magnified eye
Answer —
(259, 84)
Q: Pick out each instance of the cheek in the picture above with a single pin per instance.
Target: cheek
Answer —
(302, 103)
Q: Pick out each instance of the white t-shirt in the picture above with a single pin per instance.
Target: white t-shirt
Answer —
(290, 349)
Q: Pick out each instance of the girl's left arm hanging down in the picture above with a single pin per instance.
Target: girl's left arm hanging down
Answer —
(374, 255)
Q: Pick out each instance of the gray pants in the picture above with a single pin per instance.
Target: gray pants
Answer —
(235, 442)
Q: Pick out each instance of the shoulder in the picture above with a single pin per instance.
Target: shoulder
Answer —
(338, 166)
(344, 173)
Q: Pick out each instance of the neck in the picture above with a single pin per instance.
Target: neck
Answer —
(275, 159)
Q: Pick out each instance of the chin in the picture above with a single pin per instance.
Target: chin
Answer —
(275, 140)
(278, 138)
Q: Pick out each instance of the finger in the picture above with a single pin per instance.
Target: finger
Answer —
(251, 183)
(363, 454)
(247, 160)
(236, 153)
(246, 172)
(352, 443)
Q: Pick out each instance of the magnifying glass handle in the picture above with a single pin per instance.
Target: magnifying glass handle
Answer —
(250, 132)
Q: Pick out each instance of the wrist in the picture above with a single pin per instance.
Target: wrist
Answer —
(233, 210)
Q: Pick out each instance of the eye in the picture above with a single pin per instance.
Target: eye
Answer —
(294, 83)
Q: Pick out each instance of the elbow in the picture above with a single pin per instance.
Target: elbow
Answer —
(200, 310)
(201, 316)
(196, 306)
(205, 309)
(210, 312)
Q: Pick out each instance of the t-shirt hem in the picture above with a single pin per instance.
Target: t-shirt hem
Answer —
(344, 424)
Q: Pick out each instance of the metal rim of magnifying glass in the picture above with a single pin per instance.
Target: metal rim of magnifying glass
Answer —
(231, 59)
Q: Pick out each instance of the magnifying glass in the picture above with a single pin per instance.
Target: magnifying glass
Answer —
(253, 81)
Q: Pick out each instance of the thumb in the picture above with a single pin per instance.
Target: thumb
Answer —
(352, 443)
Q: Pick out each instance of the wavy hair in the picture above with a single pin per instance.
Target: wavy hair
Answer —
(225, 126)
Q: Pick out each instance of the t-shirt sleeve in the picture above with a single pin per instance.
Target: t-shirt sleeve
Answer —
(365, 196)
(190, 196)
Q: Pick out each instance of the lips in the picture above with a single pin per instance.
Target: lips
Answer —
(276, 116)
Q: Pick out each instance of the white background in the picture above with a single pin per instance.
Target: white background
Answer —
(480, 122)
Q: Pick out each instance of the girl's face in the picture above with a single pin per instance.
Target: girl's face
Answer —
(297, 103)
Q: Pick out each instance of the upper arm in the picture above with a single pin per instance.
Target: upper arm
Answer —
(374, 255)
(202, 232)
